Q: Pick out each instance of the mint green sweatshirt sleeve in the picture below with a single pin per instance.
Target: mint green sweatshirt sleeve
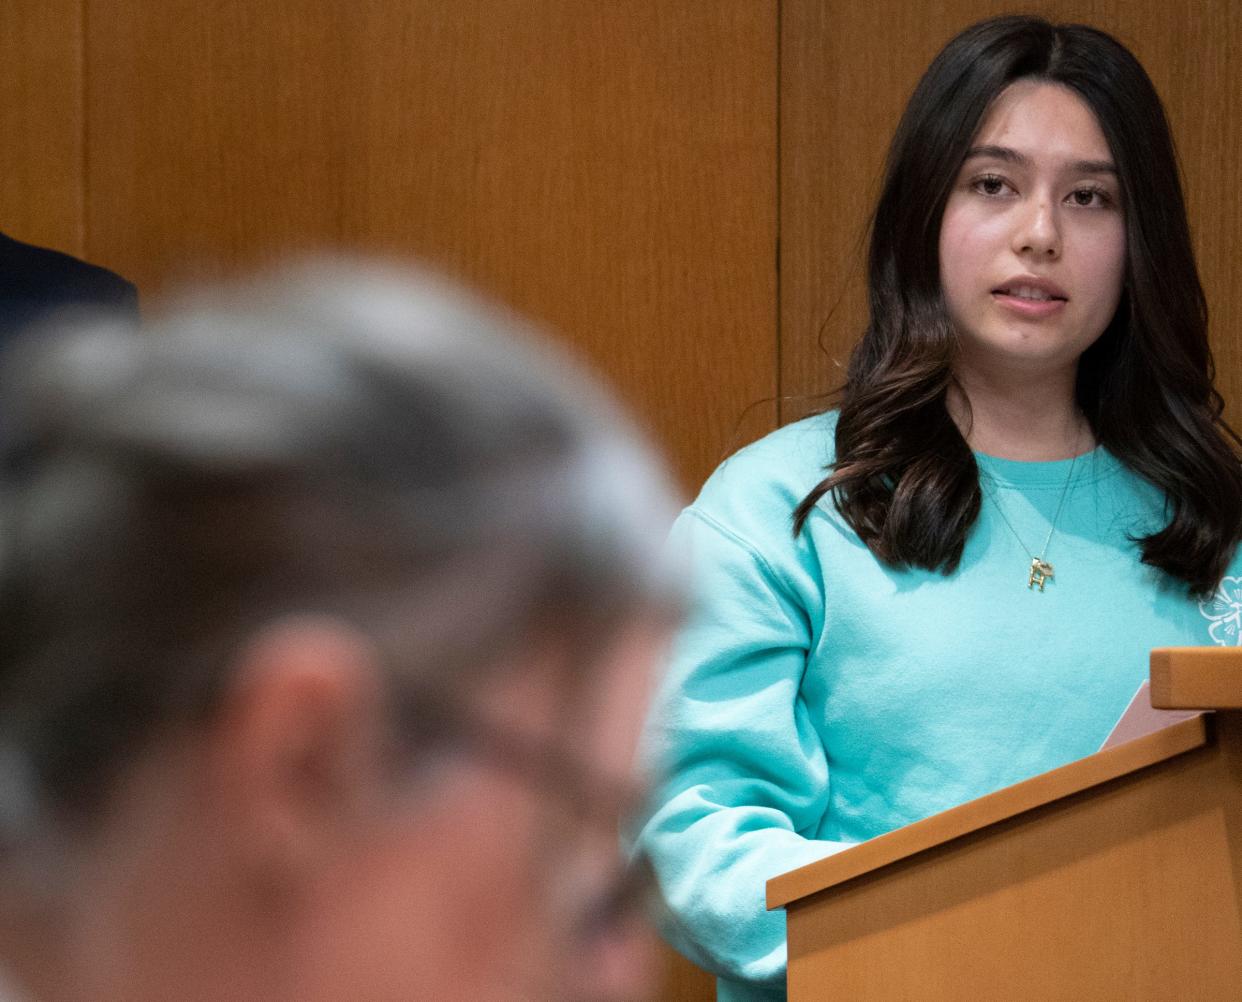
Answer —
(747, 776)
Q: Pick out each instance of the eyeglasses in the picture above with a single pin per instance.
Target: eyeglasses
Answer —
(433, 721)
(430, 720)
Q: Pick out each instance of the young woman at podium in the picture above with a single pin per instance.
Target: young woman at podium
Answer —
(951, 581)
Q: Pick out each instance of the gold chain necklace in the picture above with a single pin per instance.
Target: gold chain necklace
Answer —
(1040, 570)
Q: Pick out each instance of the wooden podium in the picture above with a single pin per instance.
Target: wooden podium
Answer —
(1116, 877)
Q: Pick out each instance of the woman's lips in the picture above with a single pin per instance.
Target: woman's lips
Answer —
(1031, 296)
(1032, 308)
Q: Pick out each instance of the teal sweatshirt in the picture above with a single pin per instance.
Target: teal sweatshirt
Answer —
(818, 698)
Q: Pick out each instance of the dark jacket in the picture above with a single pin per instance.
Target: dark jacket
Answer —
(36, 282)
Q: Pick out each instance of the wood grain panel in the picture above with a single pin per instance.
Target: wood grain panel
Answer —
(1124, 891)
(936, 830)
(1193, 678)
(41, 172)
(608, 168)
(843, 86)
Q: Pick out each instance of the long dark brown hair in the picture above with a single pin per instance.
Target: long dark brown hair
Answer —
(904, 478)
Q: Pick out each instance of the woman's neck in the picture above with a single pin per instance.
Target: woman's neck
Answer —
(1032, 421)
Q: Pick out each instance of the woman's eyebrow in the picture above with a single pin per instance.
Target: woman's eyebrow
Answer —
(1012, 156)
(998, 153)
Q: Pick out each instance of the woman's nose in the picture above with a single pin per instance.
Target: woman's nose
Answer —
(1037, 231)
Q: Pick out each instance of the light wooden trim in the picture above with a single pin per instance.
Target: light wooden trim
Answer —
(1196, 678)
(938, 829)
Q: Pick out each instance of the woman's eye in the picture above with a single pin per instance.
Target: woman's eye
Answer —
(990, 184)
(1088, 197)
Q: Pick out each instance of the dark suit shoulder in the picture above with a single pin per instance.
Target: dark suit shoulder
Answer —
(37, 281)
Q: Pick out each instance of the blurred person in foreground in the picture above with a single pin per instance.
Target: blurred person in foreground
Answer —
(330, 607)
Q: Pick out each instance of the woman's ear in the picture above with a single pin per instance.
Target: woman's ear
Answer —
(296, 749)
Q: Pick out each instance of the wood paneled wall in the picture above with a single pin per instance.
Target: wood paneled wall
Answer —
(604, 167)
(42, 187)
(610, 168)
(622, 171)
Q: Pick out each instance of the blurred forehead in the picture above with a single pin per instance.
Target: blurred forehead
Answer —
(599, 713)
(626, 677)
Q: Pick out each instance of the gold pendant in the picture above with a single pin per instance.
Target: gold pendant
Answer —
(1041, 571)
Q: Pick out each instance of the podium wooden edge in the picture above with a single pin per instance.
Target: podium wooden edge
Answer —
(973, 815)
(1196, 678)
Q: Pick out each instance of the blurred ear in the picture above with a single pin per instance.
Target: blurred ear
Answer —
(296, 750)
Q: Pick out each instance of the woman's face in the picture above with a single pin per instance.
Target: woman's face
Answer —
(1033, 240)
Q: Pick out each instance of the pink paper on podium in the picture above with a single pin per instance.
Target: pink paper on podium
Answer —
(1142, 718)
